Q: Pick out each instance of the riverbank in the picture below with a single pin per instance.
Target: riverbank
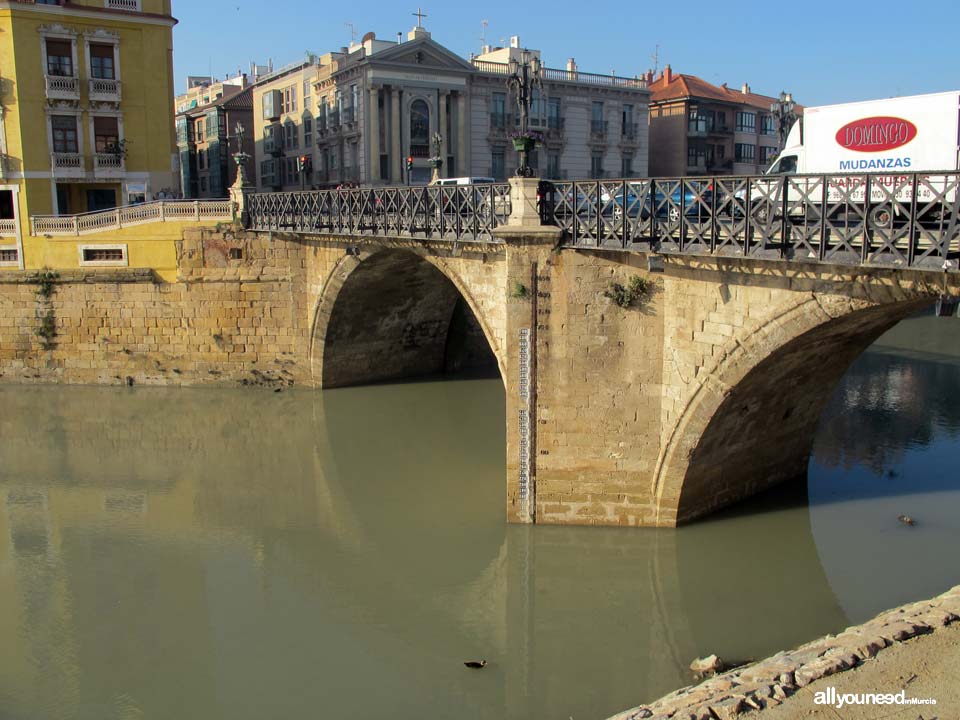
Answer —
(912, 649)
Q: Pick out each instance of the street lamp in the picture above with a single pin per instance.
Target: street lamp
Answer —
(525, 75)
(782, 110)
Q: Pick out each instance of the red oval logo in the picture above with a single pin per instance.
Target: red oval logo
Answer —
(876, 134)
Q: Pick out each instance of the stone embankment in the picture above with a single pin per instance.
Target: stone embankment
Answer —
(747, 690)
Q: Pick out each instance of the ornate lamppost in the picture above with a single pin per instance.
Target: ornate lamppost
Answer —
(783, 111)
(436, 162)
(242, 185)
(525, 75)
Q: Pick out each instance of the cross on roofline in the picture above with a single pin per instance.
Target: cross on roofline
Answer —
(420, 15)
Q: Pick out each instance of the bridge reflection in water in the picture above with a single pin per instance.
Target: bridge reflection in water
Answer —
(234, 554)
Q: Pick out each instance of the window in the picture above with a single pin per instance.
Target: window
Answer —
(419, 129)
(199, 131)
(267, 172)
(203, 184)
(696, 123)
(745, 153)
(498, 164)
(60, 58)
(553, 166)
(291, 136)
(695, 157)
(201, 160)
(289, 99)
(767, 125)
(746, 122)
(213, 125)
(64, 129)
(307, 131)
(102, 62)
(596, 166)
(103, 254)
(289, 170)
(106, 134)
(596, 116)
(553, 114)
(626, 165)
(498, 111)
(306, 91)
(767, 154)
(8, 256)
(627, 126)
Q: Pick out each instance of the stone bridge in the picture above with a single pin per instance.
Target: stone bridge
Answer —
(642, 388)
(700, 387)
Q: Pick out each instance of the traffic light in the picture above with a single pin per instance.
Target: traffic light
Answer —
(305, 164)
(410, 163)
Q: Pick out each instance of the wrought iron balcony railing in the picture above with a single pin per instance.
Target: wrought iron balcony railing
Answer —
(599, 127)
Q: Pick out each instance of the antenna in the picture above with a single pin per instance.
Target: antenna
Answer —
(353, 32)
(483, 34)
(656, 59)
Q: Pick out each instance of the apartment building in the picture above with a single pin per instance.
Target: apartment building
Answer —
(204, 90)
(86, 91)
(697, 128)
(207, 140)
(372, 106)
(285, 121)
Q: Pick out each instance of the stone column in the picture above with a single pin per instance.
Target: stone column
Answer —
(396, 151)
(463, 169)
(373, 142)
(442, 129)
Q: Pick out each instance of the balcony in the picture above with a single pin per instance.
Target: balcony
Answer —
(719, 130)
(128, 5)
(8, 227)
(104, 90)
(108, 165)
(63, 87)
(67, 165)
(697, 164)
(630, 131)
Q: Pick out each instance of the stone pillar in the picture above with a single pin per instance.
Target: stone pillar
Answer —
(241, 188)
(523, 203)
(463, 168)
(373, 144)
(396, 152)
(442, 129)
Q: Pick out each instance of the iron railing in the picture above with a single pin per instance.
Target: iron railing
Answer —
(453, 212)
(904, 220)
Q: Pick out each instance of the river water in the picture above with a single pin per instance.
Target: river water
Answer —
(246, 554)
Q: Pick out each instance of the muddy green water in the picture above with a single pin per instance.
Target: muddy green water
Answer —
(244, 554)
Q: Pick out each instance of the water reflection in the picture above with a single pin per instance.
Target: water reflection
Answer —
(227, 554)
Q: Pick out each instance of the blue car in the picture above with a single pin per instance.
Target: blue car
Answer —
(641, 202)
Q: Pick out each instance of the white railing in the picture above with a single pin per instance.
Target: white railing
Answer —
(67, 164)
(62, 87)
(8, 228)
(107, 165)
(157, 211)
(132, 5)
(102, 89)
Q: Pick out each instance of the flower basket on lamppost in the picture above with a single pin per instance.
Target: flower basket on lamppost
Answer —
(784, 113)
(525, 76)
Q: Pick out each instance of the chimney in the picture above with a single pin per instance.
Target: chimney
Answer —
(571, 65)
(745, 89)
(649, 77)
(399, 38)
(667, 74)
(515, 41)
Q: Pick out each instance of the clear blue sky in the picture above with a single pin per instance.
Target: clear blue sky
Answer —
(823, 52)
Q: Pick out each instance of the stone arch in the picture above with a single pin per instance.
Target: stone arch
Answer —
(750, 422)
(388, 313)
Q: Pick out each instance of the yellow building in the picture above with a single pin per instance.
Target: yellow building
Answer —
(86, 88)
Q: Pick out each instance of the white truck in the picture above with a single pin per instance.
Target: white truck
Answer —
(887, 139)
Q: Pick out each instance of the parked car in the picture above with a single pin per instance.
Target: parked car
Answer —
(636, 200)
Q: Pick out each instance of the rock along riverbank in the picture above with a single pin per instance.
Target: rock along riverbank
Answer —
(748, 690)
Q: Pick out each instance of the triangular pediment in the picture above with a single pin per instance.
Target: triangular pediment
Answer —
(423, 53)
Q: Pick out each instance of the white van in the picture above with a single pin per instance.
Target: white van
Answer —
(463, 181)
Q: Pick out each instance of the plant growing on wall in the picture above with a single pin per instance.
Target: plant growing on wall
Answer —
(46, 286)
(519, 290)
(636, 292)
